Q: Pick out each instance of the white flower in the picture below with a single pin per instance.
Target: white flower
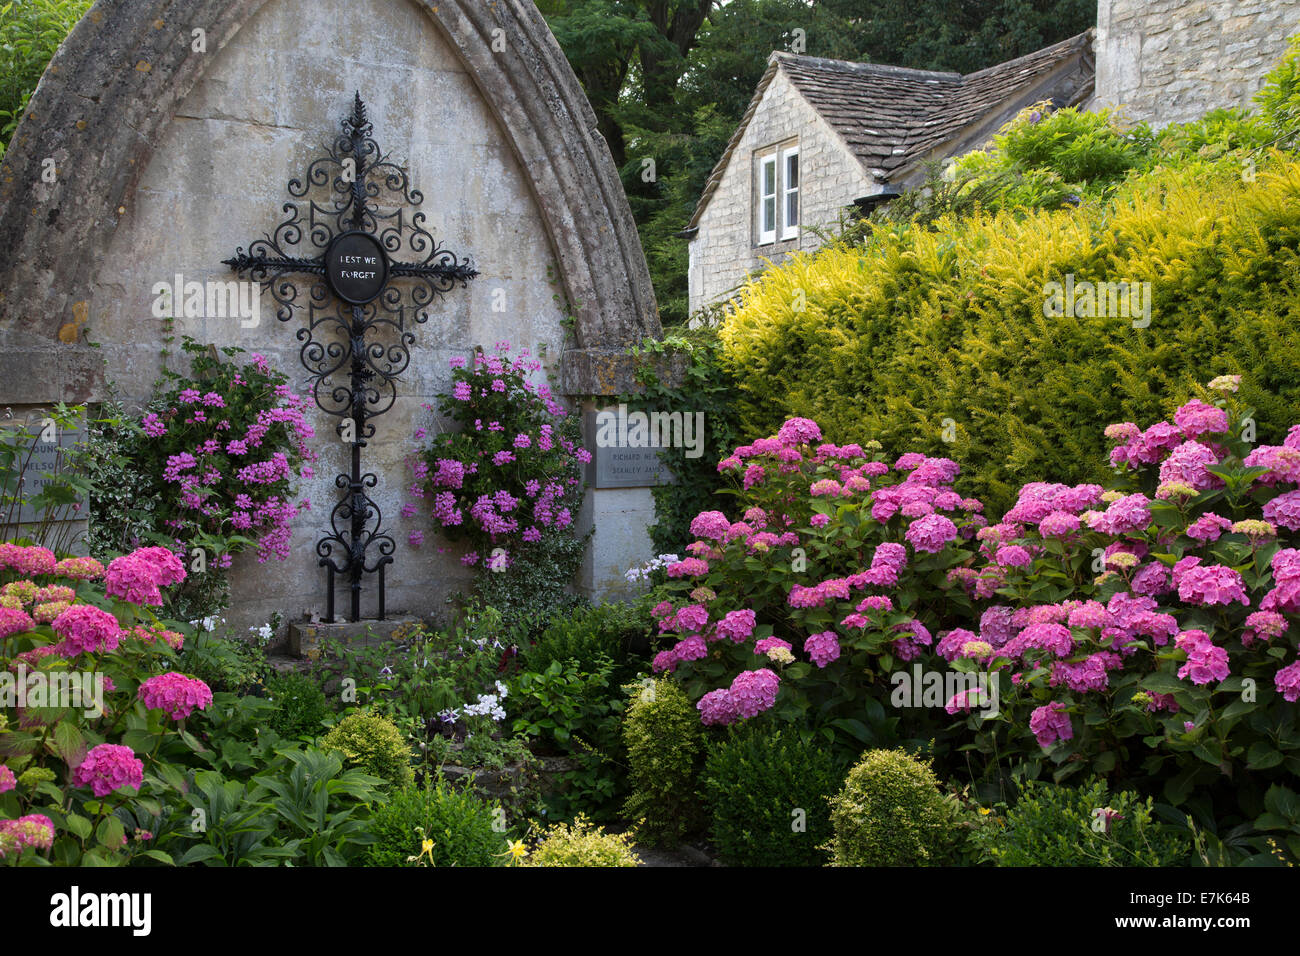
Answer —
(502, 690)
(487, 706)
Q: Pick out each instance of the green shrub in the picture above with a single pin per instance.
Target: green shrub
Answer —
(1279, 99)
(605, 631)
(665, 746)
(460, 825)
(767, 794)
(575, 712)
(891, 813)
(582, 844)
(300, 705)
(373, 744)
(1053, 825)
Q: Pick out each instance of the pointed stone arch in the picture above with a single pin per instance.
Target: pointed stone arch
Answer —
(113, 88)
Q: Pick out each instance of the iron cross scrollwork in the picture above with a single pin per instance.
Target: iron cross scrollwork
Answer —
(357, 315)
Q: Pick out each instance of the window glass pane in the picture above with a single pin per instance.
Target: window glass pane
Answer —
(791, 210)
(769, 214)
(769, 177)
(792, 171)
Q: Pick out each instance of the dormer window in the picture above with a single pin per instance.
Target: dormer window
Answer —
(778, 194)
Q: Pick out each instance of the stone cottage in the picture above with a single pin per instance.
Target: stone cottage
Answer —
(821, 135)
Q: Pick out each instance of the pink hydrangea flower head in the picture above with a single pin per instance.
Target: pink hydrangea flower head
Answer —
(86, 629)
(688, 568)
(1263, 625)
(822, 648)
(108, 767)
(737, 625)
(753, 692)
(14, 620)
(1197, 418)
(1125, 514)
(772, 644)
(710, 524)
(931, 533)
(1287, 681)
(717, 707)
(1213, 584)
(176, 694)
(1013, 556)
(1208, 527)
(80, 569)
(1051, 723)
(951, 643)
(691, 619)
(996, 626)
(1188, 463)
(1058, 524)
(690, 648)
(1206, 662)
(799, 431)
(35, 830)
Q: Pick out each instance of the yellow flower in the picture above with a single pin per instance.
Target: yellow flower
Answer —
(426, 849)
(517, 850)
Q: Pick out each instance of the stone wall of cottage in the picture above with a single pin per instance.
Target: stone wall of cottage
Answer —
(1168, 61)
(726, 248)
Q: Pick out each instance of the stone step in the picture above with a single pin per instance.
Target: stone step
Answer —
(306, 637)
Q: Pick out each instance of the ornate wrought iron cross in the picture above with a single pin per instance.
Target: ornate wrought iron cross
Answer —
(352, 251)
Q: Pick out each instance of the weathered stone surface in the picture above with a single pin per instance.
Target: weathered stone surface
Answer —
(101, 113)
(168, 159)
(1170, 61)
(307, 639)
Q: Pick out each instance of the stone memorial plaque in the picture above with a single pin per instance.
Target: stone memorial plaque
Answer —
(357, 267)
(45, 457)
(623, 466)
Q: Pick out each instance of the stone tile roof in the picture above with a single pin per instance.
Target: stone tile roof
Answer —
(891, 117)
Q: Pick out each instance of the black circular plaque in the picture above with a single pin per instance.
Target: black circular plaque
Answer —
(356, 267)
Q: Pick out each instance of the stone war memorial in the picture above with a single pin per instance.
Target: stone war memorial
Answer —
(445, 147)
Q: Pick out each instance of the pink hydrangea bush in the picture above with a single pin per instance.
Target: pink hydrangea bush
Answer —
(101, 741)
(1145, 629)
(828, 577)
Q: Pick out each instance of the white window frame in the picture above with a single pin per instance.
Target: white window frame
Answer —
(765, 162)
(789, 192)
